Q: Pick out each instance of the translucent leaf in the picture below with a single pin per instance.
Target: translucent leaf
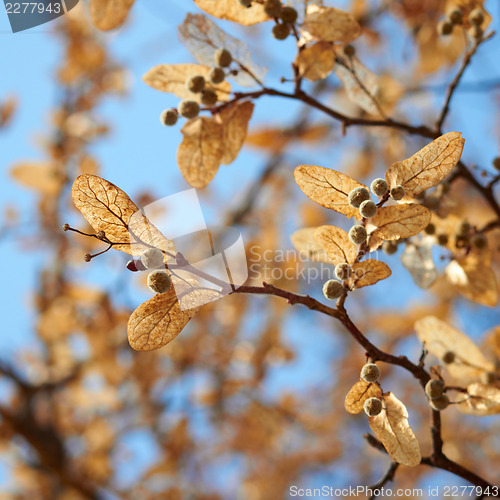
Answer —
(109, 14)
(359, 393)
(329, 25)
(440, 338)
(234, 119)
(368, 272)
(203, 38)
(107, 208)
(417, 258)
(200, 152)
(41, 177)
(304, 242)
(327, 187)
(427, 167)
(474, 279)
(361, 88)
(232, 10)
(393, 430)
(172, 78)
(316, 61)
(395, 222)
(481, 400)
(336, 244)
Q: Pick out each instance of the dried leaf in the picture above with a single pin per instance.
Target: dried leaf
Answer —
(417, 258)
(393, 430)
(368, 272)
(7, 110)
(232, 10)
(361, 87)
(359, 393)
(234, 119)
(304, 242)
(172, 78)
(440, 338)
(329, 25)
(336, 244)
(109, 14)
(107, 208)
(200, 152)
(316, 61)
(203, 38)
(427, 167)
(395, 222)
(482, 400)
(474, 279)
(327, 187)
(42, 177)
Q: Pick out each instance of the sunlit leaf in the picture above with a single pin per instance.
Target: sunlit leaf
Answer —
(42, 177)
(359, 393)
(481, 400)
(109, 14)
(304, 242)
(336, 244)
(368, 272)
(316, 61)
(232, 10)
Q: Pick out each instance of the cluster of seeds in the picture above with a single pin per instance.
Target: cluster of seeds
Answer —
(434, 390)
(198, 84)
(465, 236)
(159, 281)
(455, 17)
(371, 373)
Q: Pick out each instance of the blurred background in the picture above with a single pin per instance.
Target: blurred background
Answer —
(248, 400)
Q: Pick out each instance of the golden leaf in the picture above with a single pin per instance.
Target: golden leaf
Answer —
(481, 400)
(359, 393)
(200, 152)
(440, 338)
(304, 242)
(172, 78)
(327, 187)
(393, 430)
(232, 10)
(329, 25)
(336, 244)
(316, 61)
(234, 119)
(395, 222)
(41, 177)
(474, 279)
(107, 208)
(109, 14)
(369, 272)
(427, 167)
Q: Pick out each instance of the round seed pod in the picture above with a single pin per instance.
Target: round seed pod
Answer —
(288, 15)
(333, 289)
(488, 378)
(475, 32)
(463, 228)
(101, 235)
(440, 403)
(397, 192)
(65, 227)
(496, 162)
(159, 281)
(442, 239)
(370, 373)
(223, 58)
(272, 8)
(448, 357)
(445, 28)
(195, 83)
(368, 209)
(281, 31)
(372, 406)
(476, 17)
(357, 234)
(208, 97)
(479, 241)
(216, 75)
(389, 247)
(349, 50)
(343, 271)
(169, 117)
(379, 187)
(357, 196)
(87, 257)
(189, 109)
(434, 388)
(152, 258)
(455, 16)
(430, 228)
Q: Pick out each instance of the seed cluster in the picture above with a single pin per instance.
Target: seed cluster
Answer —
(472, 21)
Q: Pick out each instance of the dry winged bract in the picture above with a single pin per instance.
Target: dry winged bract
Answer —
(109, 14)
(393, 430)
(368, 272)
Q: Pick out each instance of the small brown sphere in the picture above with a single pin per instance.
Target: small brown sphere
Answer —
(343, 271)
(479, 241)
(440, 403)
(195, 83)
(272, 8)
(397, 193)
(430, 228)
(357, 196)
(189, 109)
(208, 97)
(216, 75)
(496, 162)
(389, 247)
(152, 258)
(159, 281)
(223, 58)
(370, 373)
(281, 31)
(367, 209)
(455, 16)
(448, 357)
(349, 50)
(288, 15)
(169, 117)
(372, 407)
(476, 17)
(442, 239)
(445, 28)
(434, 388)
(333, 289)
(357, 234)
(379, 187)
